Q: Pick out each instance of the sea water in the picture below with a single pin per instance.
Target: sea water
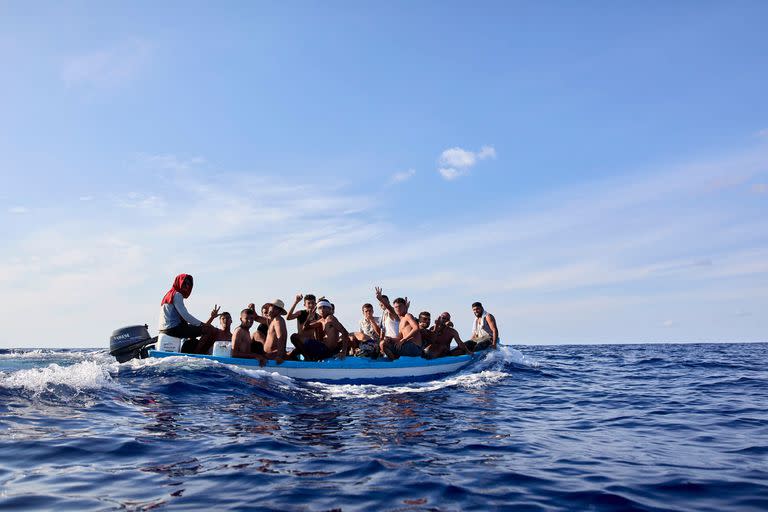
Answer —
(611, 427)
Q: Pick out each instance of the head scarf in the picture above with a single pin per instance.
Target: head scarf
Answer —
(177, 283)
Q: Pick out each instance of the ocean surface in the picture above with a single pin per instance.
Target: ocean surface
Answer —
(602, 427)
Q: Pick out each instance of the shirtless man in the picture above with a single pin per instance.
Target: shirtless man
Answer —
(333, 337)
(442, 335)
(241, 338)
(205, 344)
(301, 318)
(408, 340)
(425, 318)
(484, 331)
(277, 333)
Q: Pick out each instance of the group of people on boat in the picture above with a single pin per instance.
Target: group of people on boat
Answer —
(320, 335)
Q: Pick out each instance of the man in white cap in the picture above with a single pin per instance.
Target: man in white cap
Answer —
(334, 338)
(277, 333)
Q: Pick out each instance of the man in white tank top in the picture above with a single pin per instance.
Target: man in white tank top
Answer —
(485, 334)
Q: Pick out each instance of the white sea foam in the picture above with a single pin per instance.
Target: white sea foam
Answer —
(85, 375)
(468, 380)
(471, 378)
(509, 355)
(198, 363)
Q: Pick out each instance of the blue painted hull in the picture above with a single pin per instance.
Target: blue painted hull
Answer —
(352, 370)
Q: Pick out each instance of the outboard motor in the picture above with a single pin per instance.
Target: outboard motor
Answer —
(130, 343)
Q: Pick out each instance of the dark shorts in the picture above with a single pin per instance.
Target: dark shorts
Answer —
(315, 350)
(408, 349)
(474, 346)
(257, 347)
(184, 330)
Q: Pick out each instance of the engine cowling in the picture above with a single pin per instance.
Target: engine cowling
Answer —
(130, 342)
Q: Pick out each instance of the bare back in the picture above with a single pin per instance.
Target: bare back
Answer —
(277, 335)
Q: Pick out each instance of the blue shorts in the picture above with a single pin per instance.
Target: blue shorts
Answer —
(315, 350)
(408, 349)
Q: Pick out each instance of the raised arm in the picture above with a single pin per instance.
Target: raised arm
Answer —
(257, 317)
(494, 330)
(291, 315)
(308, 323)
(380, 297)
(214, 313)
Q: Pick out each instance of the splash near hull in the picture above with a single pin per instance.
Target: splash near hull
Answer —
(352, 370)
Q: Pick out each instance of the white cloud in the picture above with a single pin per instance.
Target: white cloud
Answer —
(171, 162)
(151, 204)
(457, 157)
(668, 323)
(456, 162)
(18, 210)
(86, 198)
(486, 152)
(400, 177)
(107, 67)
(610, 260)
(760, 188)
(449, 173)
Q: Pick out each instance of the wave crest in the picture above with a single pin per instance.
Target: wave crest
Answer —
(82, 376)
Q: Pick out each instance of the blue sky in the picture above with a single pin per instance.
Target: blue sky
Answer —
(591, 171)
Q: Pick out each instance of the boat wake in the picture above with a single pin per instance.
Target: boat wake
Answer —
(491, 369)
(77, 374)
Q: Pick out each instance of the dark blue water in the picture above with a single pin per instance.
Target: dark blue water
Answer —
(622, 427)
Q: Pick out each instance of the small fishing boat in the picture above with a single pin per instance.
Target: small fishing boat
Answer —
(351, 370)
(134, 342)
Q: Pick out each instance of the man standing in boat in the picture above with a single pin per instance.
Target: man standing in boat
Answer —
(408, 340)
(277, 332)
(332, 339)
(484, 331)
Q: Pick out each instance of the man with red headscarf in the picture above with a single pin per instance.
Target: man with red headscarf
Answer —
(175, 320)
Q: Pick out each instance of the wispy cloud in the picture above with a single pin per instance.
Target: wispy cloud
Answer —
(602, 257)
(18, 210)
(86, 198)
(760, 188)
(668, 323)
(107, 67)
(400, 177)
(147, 203)
(449, 173)
(171, 162)
(456, 162)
